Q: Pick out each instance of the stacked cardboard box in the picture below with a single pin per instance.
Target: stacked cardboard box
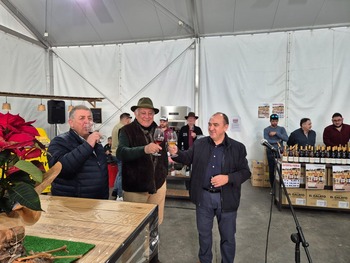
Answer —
(259, 177)
(317, 197)
(297, 196)
(339, 200)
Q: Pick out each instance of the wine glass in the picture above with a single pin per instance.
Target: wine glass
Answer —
(158, 137)
(93, 128)
(172, 140)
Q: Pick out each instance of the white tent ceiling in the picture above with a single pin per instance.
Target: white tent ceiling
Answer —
(82, 22)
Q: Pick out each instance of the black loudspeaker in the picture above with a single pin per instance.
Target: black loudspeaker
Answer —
(56, 112)
(97, 115)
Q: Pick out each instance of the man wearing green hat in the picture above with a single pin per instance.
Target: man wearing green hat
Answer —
(143, 174)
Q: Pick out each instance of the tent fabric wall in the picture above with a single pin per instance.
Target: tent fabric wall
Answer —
(23, 69)
(123, 74)
(306, 70)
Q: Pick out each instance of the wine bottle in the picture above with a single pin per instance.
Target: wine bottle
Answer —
(296, 154)
(311, 154)
(317, 154)
(285, 154)
(301, 154)
(334, 155)
(344, 155)
(339, 155)
(323, 155)
(328, 154)
(290, 154)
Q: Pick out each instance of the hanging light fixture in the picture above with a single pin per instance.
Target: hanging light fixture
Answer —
(6, 105)
(41, 106)
(70, 107)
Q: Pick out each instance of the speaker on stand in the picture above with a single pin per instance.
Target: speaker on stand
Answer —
(96, 114)
(56, 112)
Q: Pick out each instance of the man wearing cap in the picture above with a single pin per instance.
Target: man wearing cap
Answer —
(143, 173)
(275, 135)
(124, 119)
(164, 125)
(189, 132)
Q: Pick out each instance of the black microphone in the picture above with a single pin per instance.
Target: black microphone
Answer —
(265, 143)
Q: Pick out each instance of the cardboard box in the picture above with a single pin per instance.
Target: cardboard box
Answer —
(260, 180)
(317, 197)
(257, 180)
(297, 196)
(339, 200)
(267, 180)
(258, 167)
(257, 164)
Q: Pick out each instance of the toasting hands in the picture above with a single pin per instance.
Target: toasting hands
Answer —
(152, 148)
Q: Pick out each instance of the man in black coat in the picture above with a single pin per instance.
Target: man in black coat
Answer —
(188, 133)
(84, 163)
(219, 168)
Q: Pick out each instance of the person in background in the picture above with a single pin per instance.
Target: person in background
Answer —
(124, 119)
(304, 135)
(143, 173)
(187, 135)
(164, 125)
(84, 163)
(189, 132)
(275, 135)
(219, 168)
(108, 152)
(336, 133)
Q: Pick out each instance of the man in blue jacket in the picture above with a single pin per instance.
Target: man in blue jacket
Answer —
(84, 163)
(219, 168)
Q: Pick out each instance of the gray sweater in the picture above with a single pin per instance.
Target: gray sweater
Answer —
(280, 136)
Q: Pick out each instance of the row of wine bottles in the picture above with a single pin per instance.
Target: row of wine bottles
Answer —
(319, 154)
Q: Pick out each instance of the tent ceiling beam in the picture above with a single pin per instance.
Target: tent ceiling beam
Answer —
(91, 100)
(16, 13)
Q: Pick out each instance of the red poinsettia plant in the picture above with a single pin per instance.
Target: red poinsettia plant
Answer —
(18, 174)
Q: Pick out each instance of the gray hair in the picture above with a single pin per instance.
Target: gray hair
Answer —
(78, 107)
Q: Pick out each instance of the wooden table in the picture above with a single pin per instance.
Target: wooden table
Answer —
(121, 231)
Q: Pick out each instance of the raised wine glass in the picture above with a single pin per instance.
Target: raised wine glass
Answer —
(158, 138)
(172, 140)
(92, 128)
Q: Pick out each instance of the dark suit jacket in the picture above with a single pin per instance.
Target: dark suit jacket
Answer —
(183, 136)
(234, 164)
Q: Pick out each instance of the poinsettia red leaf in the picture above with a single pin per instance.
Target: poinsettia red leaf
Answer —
(32, 153)
(11, 170)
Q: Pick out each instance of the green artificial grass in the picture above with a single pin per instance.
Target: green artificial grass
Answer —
(39, 244)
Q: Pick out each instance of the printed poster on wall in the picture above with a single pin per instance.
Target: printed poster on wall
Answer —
(264, 110)
(235, 124)
(278, 108)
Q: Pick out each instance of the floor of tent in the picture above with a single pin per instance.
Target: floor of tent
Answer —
(327, 232)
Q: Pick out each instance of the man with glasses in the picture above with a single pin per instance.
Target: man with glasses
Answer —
(275, 135)
(336, 133)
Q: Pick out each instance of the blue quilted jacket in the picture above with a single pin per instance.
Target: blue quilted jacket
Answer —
(84, 169)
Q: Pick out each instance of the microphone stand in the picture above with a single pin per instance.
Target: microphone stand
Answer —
(298, 237)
